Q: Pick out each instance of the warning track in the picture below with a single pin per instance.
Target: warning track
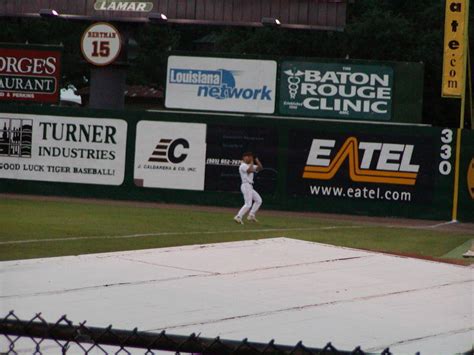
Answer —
(447, 226)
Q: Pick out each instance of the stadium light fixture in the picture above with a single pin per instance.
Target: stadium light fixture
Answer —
(48, 13)
(271, 22)
(158, 17)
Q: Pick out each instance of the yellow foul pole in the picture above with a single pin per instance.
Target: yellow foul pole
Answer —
(456, 47)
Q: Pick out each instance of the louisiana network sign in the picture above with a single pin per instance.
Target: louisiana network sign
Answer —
(336, 90)
(221, 84)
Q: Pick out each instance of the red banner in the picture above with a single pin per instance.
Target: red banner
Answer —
(30, 74)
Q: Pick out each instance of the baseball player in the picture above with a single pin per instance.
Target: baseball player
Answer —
(253, 201)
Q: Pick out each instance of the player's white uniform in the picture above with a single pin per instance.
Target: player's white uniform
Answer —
(252, 199)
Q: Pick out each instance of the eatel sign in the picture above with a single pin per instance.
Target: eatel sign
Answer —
(30, 73)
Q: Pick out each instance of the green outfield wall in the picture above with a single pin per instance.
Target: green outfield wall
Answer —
(466, 177)
(192, 158)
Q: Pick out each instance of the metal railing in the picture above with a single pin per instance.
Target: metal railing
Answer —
(37, 336)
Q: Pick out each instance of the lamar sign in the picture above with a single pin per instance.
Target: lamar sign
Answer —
(129, 6)
(336, 90)
(30, 73)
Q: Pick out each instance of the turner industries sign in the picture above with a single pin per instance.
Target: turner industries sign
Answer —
(336, 90)
(30, 73)
(62, 149)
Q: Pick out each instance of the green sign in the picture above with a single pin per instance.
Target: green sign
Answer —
(336, 90)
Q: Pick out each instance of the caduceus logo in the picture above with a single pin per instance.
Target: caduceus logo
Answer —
(294, 80)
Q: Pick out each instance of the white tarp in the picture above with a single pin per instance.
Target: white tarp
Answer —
(281, 289)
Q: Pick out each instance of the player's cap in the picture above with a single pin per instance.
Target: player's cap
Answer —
(247, 154)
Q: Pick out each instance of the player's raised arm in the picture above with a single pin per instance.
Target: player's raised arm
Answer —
(258, 167)
(251, 165)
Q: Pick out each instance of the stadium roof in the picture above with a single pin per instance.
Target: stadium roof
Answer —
(304, 14)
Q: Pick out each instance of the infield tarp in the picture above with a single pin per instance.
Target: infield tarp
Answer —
(284, 289)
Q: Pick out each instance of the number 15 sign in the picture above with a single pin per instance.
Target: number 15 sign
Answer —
(101, 44)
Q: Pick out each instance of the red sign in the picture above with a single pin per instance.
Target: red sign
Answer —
(30, 74)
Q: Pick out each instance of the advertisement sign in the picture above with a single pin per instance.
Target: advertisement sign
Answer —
(62, 149)
(170, 155)
(221, 84)
(30, 74)
(101, 44)
(336, 90)
(399, 169)
(455, 48)
(225, 146)
(128, 6)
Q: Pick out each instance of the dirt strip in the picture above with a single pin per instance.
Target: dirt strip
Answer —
(446, 226)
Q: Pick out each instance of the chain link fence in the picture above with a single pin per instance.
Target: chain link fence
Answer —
(37, 336)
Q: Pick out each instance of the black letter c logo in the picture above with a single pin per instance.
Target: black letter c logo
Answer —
(171, 151)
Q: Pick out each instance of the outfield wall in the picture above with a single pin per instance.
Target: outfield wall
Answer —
(337, 167)
(466, 177)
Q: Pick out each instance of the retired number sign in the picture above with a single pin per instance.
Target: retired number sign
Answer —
(101, 44)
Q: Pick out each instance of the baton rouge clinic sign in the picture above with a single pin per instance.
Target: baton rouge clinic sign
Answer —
(50, 148)
(170, 155)
(221, 84)
(336, 90)
(29, 74)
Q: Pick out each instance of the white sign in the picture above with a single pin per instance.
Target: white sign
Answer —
(129, 6)
(62, 149)
(101, 44)
(170, 155)
(221, 84)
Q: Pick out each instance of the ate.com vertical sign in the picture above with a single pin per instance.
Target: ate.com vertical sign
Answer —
(30, 73)
(455, 48)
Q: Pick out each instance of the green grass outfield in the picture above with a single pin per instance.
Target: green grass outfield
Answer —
(38, 228)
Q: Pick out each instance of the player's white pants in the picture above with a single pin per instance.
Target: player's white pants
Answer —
(252, 199)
